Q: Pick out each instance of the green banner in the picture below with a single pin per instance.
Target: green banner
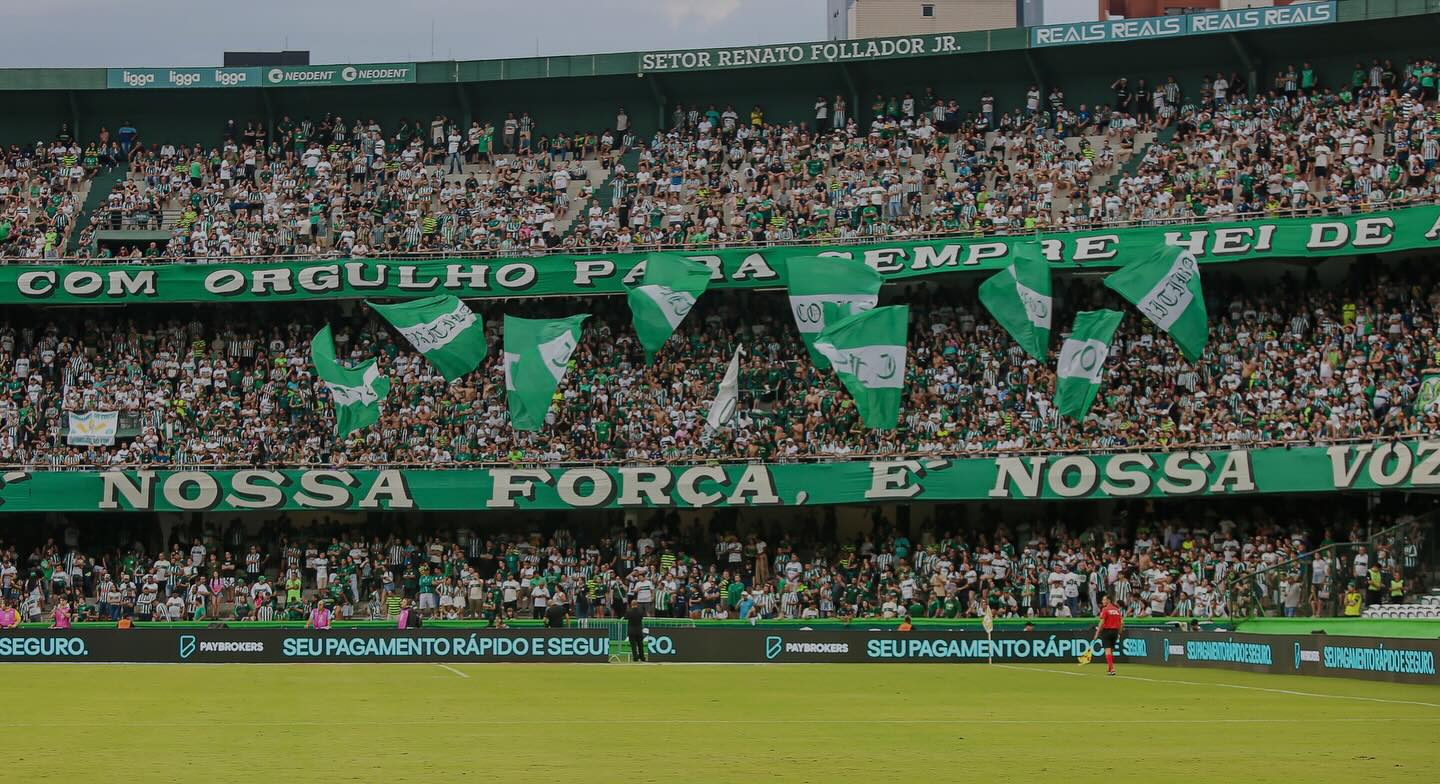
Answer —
(327, 75)
(1397, 465)
(173, 78)
(274, 76)
(1204, 23)
(1415, 228)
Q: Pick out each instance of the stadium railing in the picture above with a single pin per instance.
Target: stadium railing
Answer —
(698, 460)
(1257, 594)
(706, 247)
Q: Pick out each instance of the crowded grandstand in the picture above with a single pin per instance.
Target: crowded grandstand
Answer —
(1297, 355)
(1021, 376)
(1295, 143)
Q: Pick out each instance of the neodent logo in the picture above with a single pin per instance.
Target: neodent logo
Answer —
(278, 75)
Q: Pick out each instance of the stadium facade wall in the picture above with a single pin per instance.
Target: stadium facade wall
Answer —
(583, 91)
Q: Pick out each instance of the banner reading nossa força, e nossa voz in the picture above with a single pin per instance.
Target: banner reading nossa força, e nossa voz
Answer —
(1389, 465)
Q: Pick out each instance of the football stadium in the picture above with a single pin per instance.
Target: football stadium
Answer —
(1004, 394)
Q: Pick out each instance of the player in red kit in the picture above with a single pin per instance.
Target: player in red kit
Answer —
(1112, 621)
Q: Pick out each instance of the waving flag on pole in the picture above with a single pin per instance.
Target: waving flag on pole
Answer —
(356, 391)
(1018, 297)
(1428, 394)
(667, 291)
(722, 410)
(537, 354)
(1166, 288)
(817, 281)
(867, 351)
(1082, 361)
(442, 328)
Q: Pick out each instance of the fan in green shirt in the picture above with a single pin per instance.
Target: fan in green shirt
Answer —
(733, 592)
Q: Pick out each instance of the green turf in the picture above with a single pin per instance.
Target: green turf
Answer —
(705, 724)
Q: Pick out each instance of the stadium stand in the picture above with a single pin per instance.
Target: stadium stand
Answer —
(1163, 566)
(1296, 363)
(912, 167)
(1298, 356)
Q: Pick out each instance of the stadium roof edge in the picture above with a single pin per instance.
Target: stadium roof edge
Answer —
(657, 62)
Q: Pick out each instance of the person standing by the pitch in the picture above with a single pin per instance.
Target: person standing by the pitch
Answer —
(1112, 622)
(635, 620)
(319, 616)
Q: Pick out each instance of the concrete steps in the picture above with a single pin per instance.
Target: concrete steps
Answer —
(97, 192)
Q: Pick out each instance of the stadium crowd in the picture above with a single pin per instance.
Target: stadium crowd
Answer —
(39, 193)
(909, 166)
(1163, 566)
(1289, 360)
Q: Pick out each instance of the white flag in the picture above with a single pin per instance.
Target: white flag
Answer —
(722, 410)
(93, 428)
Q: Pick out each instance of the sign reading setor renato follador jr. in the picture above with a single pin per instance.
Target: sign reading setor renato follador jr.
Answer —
(1415, 228)
(1390, 465)
(801, 53)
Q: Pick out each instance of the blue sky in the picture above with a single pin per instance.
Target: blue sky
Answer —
(100, 33)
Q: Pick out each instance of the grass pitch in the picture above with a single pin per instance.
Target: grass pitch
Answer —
(706, 723)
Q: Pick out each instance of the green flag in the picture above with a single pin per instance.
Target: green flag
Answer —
(1428, 395)
(668, 290)
(1166, 288)
(818, 280)
(867, 351)
(356, 391)
(1019, 299)
(1082, 360)
(537, 354)
(442, 328)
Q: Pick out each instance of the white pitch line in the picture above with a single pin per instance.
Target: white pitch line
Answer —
(1285, 691)
(1027, 669)
(587, 722)
(1291, 692)
(452, 669)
